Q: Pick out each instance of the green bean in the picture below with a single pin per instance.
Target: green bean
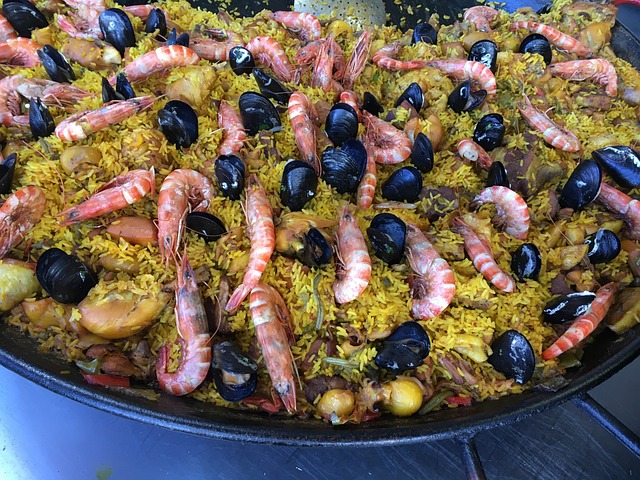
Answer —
(435, 401)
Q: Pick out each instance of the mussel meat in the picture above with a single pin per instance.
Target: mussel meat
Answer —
(424, 32)
(371, 104)
(513, 356)
(64, 277)
(422, 153)
(179, 123)
(497, 175)
(341, 124)
(343, 167)
(174, 39)
(489, 131)
(621, 162)
(241, 60)
(604, 246)
(56, 65)
(462, 99)
(7, 169)
(116, 29)
(403, 185)
(536, 43)
(156, 21)
(316, 250)
(23, 16)
(386, 234)
(299, 184)
(485, 52)
(271, 87)
(205, 225)
(40, 119)
(582, 187)
(404, 349)
(230, 174)
(412, 94)
(526, 261)
(234, 373)
(563, 308)
(258, 113)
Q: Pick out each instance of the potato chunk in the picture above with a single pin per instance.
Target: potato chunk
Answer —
(17, 282)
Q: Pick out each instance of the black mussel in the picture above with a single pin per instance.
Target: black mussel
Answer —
(156, 21)
(536, 43)
(241, 60)
(403, 185)
(344, 167)
(386, 234)
(7, 169)
(299, 184)
(604, 246)
(40, 119)
(412, 94)
(234, 373)
(174, 39)
(526, 261)
(123, 86)
(64, 277)
(485, 52)
(207, 226)
(341, 124)
(489, 131)
(497, 175)
(179, 123)
(422, 153)
(404, 349)
(462, 99)
(56, 65)
(563, 308)
(316, 250)
(116, 29)
(271, 87)
(258, 113)
(622, 163)
(23, 16)
(371, 104)
(582, 187)
(513, 356)
(424, 32)
(109, 93)
(230, 174)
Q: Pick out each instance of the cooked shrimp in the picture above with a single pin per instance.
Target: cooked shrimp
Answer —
(193, 329)
(158, 60)
(182, 191)
(269, 53)
(387, 144)
(597, 69)
(367, 188)
(323, 70)
(304, 119)
(354, 264)
(84, 21)
(122, 191)
(303, 24)
(481, 17)
(474, 153)
(143, 11)
(556, 38)
(434, 286)
(6, 29)
(20, 52)
(513, 213)
(480, 254)
(18, 214)
(350, 98)
(83, 124)
(262, 234)
(468, 69)
(234, 135)
(585, 323)
(274, 331)
(624, 205)
(357, 60)
(385, 58)
(51, 93)
(213, 49)
(554, 135)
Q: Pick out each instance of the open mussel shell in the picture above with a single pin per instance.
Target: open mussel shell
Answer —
(489, 131)
(422, 153)
(207, 226)
(271, 87)
(341, 124)
(485, 52)
(56, 65)
(424, 32)
(258, 113)
(109, 93)
(497, 175)
(371, 104)
(536, 43)
(230, 174)
(316, 250)
(23, 16)
(40, 119)
(234, 373)
(64, 277)
(404, 349)
(563, 308)
(241, 60)
(174, 39)
(462, 99)
(526, 261)
(403, 185)
(7, 169)
(116, 29)
(604, 246)
(123, 86)
(386, 234)
(179, 123)
(582, 187)
(621, 162)
(299, 184)
(513, 356)
(344, 167)
(156, 21)
(412, 94)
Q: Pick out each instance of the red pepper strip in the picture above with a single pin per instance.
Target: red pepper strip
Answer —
(105, 380)
(458, 400)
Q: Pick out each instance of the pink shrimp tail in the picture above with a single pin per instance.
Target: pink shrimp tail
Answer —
(238, 296)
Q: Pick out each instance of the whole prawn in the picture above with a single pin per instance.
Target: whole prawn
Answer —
(358, 59)
(303, 24)
(304, 119)
(215, 49)
(262, 234)
(323, 75)
(474, 153)
(85, 19)
(193, 329)
(551, 133)
(274, 331)
(597, 69)
(234, 135)
(513, 213)
(122, 191)
(387, 144)
(556, 38)
(622, 204)
(367, 187)
(20, 52)
(585, 323)
(268, 52)
(481, 16)
(385, 58)
(18, 214)
(468, 69)
(158, 60)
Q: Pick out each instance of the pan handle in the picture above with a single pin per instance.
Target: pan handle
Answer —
(472, 463)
